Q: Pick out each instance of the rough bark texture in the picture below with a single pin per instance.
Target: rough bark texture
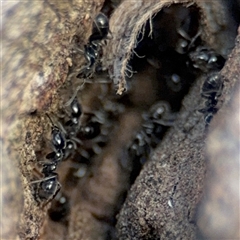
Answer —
(219, 212)
(40, 65)
(162, 202)
(37, 49)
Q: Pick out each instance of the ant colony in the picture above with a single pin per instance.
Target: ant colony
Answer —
(165, 64)
(79, 136)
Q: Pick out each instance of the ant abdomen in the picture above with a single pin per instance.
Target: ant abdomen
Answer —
(46, 188)
(90, 130)
(58, 139)
(211, 90)
(76, 109)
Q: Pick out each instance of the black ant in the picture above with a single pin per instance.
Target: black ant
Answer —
(138, 151)
(58, 141)
(211, 90)
(76, 111)
(62, 144)
(156, 122)
(55, 156)
(90, 130)
(91, 126)
(91, 53)
(48, 187)
(201, 57)
(160, 113)
(140, 147)
(206, 59)
(48, 168)
(72, 125)
(100, 30)
(174, 81)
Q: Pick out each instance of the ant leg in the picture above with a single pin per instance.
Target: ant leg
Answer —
(74, 45)
(79, 50)
(62, 128)
(166, 123)
(44, 179)
(183, 34)
(76, 140)
(50, 119)
(194, 39)
(68, 103)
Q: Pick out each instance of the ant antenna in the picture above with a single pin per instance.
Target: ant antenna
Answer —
(79, 87)
(44, 179)
(50, 119)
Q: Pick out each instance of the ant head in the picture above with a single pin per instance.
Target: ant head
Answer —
(100, 28)
(159, 109)
(102, 21)
(205, 59)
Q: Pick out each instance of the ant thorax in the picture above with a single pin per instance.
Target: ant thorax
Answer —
(211, 91)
